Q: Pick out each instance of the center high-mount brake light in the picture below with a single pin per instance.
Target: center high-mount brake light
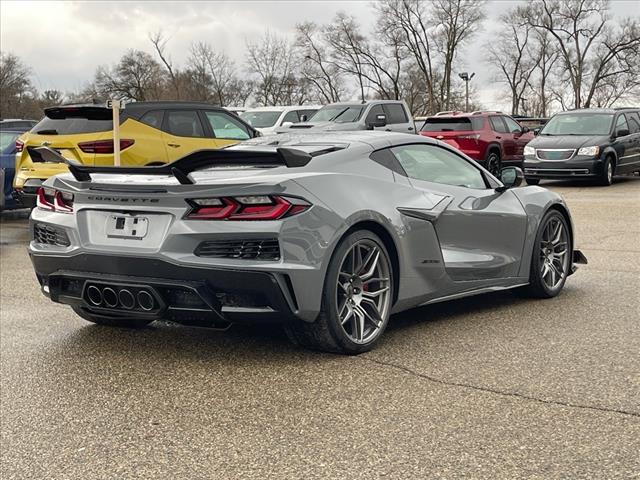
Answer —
(54, 200)
(247, 207)
(103, 146)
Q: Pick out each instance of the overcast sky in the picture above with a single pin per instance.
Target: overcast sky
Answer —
(64, 42)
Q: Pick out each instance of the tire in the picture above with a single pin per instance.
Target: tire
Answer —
(341, 327)
(493, 163)
(546, 253)
(532, 181)
(109, 321)
(608, 170)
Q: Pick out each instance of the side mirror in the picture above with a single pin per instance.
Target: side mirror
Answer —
(303, 118)
(380, 121)
(536, 131)
(622, 133)
(510, 177)
(287, 124)
(525, 130)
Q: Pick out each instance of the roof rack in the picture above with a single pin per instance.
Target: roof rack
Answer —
(448, 112)
(182, 167)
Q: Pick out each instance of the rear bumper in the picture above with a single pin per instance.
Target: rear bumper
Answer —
(181, 293)
(577, 167)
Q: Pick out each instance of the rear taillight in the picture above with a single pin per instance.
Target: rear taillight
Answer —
(19, 146)
(247, 207)
(103, 146)
(54, 200)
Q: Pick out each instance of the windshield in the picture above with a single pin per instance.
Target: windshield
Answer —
(261, 119)
(579, 124)
(6, 139)
(338, 114)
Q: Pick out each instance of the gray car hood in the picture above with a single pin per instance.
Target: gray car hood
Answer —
(320, 127)
(567, 141)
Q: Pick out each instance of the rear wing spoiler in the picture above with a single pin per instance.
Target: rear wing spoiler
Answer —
(181, 168)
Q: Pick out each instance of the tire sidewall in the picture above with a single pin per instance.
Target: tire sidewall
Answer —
(493, 157)
(329, 301)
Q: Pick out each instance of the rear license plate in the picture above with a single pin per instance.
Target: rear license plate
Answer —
(123, 226)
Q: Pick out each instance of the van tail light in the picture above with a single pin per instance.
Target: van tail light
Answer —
(54, 200)
(247, 207)
(104, 146)
(19, 146)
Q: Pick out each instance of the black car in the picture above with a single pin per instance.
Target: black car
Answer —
(588, 143)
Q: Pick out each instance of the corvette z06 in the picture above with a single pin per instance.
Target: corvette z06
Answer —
(329, 234)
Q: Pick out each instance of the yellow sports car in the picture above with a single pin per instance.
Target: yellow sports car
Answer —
(151, 133)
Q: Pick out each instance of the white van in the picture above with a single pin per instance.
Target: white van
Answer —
(267, 119)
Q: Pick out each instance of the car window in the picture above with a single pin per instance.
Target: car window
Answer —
(153, 119)
(69, 121)
(395, 113)
(307, 113)
(184, 123)
(7, 139)
(634, 122)
(225, 126)
(292, 117)
(373, 113)
(436, 164)
(621, 123)
(497, 125)
(512, 125)
(261, 118)
(452, 124)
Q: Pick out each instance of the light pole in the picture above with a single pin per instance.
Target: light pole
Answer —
(467, 78)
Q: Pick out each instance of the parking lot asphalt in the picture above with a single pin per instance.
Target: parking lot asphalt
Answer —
(493, 387)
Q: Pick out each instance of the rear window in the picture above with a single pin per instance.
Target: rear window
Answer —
(438, 124)
(62, 122)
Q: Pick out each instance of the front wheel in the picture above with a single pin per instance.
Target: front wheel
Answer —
(606, 177)
(551, 257)
(111, 321)
(356, 299)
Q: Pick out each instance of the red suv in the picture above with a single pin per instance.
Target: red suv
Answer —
(491, 138)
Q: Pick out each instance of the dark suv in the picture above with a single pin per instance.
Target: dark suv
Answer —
(491, 138)
(588, 143)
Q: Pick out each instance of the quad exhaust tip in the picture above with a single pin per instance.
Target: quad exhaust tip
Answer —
(124, 298)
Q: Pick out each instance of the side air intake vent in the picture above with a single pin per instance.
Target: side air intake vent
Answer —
(50, 235)
(248, 249)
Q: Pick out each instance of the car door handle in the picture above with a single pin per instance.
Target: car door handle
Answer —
(387, 129)
(498, 137)
(410, 128)
(173, 145)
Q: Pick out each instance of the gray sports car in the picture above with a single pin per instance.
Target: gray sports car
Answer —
(329, 234)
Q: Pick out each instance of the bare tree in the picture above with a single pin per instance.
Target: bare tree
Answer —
(459, 20)
(137, 76)
(317, 67)
(17, 93)
(545, 58)
(510, 54)
(159, 44)
(272, 61)
(592, 52)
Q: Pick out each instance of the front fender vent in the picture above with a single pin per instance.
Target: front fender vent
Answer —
(246, 249)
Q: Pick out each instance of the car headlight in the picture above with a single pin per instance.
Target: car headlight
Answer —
(589, 151)
(529, 150)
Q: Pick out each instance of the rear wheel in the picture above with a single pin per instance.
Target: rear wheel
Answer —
(493, 163)
(356, 299)
(532, 181)
(551, 257)
(111, 321)
(606, 177)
